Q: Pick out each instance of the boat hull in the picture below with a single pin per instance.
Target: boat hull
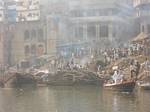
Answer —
(145, 86)
(122, 87)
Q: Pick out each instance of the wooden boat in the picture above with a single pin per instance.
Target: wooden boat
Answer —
(144, 86)
(126, 86)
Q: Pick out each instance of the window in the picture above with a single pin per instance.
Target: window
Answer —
(26, 35)
(91, 31)
(104, 31)
(143, 28)
(40, 50)
(76, 32)
(79, 32)
(40, 35)
(33, 49)
(33, 34)
(114, 33)
(148, 28)
(27, 50)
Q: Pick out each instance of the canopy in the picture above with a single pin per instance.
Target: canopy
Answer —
(140, 37)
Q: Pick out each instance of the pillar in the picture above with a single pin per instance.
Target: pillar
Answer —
(85, 31)
(110, 35)
(97, 31)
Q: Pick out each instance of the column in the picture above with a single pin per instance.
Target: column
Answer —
(73, 32)
(97, 31)
(85, 31)
(110, 35)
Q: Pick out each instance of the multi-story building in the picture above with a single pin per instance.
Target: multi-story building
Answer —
(142, 8)
(1, 32)
(5, 34)
(71, 23)
(5, 43)
(27, 10)
(142, 18)
(28, 41)
(90, 22)
(1, 44)
(27, 34)
(100, 23)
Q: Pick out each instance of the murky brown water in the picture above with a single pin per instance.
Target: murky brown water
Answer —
(72, 99)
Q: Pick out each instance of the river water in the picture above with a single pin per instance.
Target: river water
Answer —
(72, 99)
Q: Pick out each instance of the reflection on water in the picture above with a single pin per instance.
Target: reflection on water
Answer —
(72, 99)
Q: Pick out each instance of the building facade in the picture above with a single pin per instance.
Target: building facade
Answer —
(142, 14)
(27, 10)
(55, 27)
(28, 41)
(99, 23)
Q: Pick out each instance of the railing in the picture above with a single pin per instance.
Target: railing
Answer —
(142, 13)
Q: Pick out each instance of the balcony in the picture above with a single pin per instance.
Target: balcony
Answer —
(143, 14)
(97, 19)
(137, 3)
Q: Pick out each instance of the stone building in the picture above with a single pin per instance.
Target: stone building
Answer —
(1, 33)
(101, 23)
(5, 37)
(1, 44)
(28, 41)
(5, 43)
(142, 14)
(96, 23)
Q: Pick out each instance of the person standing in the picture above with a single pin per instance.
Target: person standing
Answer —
(137, 69)
(147, 66)
(132, 68)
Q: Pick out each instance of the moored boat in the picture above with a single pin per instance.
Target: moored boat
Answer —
(125, 86)
(144, 86)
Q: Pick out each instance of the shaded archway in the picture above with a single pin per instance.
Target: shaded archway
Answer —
(27, 50)
(40, 50)
(33, 34)
(33, 49)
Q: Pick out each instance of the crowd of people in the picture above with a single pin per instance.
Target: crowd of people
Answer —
(114, 54)
(110, 55)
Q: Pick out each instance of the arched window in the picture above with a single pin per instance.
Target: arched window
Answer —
(33, 49)
(104, 31)
(40, 50)
(91, 31)
(26, 35)
(27, 50)
(33, 34)
(40, 35)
